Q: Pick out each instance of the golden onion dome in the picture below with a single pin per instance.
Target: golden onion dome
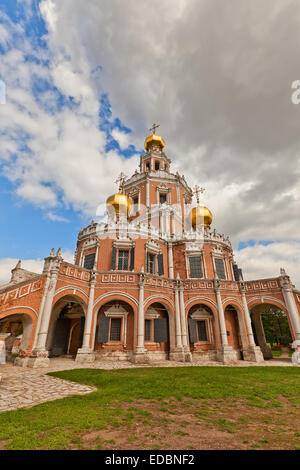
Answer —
(118, 204)
(154, 139)
(201, 215)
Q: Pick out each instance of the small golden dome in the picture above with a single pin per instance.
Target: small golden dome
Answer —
(154, 139)
(118, 204)
(201, 215)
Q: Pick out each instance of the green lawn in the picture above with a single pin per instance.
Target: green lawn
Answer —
(62, 423)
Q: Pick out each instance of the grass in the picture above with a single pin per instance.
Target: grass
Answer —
(58, 424)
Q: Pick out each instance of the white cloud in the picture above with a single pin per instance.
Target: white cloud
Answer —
(122, 138)
(56, 218)
(33, 265)
(212, 76)
(264, 261)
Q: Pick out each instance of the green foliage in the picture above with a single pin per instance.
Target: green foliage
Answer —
(276, 326)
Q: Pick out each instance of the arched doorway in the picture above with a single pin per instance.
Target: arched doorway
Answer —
(18, 328)
(233, 330)
(202, 334)
(157, 332)
(114, 337)
(272, 331)
(67, 327)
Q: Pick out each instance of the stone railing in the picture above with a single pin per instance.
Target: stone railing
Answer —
(134, 229)
(262, 284)
(70, 270)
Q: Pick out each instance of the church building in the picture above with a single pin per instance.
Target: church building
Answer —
(154, 282)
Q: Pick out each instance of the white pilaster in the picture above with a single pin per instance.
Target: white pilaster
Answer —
(289, 299)
(177, 319)
(141, 327)
(84, 354)
(253, 353)
(225, 353)
(183, 319)
(170, 256)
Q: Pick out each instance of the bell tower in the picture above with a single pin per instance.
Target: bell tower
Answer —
(154, 159)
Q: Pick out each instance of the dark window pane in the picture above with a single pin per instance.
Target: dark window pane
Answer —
(151, 263)
(161, 330)
(195, 266)
(160, 265)
(202, 334)
(115, 329)
(236, 272)
(103, 329)
(148, 330)
(162, 198)
(89, 261)
(123, 260)
(192, 330)
(220, 269)
(156, 165)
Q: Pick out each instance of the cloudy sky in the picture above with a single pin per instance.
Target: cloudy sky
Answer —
(85, 80)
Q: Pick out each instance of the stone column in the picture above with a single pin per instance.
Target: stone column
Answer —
(253, 352)
(177, 319)
(170, 256)
(147, 193)
(173, 224)
(225, 353)
(177, 354)
(39, 356)
(46, 287)
(46, 271)
(287, 292)
(85, 353)
(167, 223)
(139, 355)
(187, 352)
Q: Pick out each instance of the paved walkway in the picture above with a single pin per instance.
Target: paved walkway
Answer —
(25, 387)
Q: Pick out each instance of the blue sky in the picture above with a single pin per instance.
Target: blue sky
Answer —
(30, 231)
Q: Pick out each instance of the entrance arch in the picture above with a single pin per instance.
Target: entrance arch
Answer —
(66, 327)
(19, 328)
(114, 335)
(158, 339)
(235, 329)
(271, 326)
(202, 332)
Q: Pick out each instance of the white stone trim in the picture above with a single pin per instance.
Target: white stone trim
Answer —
(194, 254)
(264, 299)
(233, 299)
(16, 308)
(205, 299)
(159, 298)
(219, 254)
(75, 288)
(118, 313)
(207, 318)
(123, 243)
(109, 294)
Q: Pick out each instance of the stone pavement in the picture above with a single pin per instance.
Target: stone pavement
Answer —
(25, 387)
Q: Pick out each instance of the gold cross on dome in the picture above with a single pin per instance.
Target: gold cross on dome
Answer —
(153, 128)
(121, 180)
(198, 190)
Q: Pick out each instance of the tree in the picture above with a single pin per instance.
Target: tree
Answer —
(276, 326)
